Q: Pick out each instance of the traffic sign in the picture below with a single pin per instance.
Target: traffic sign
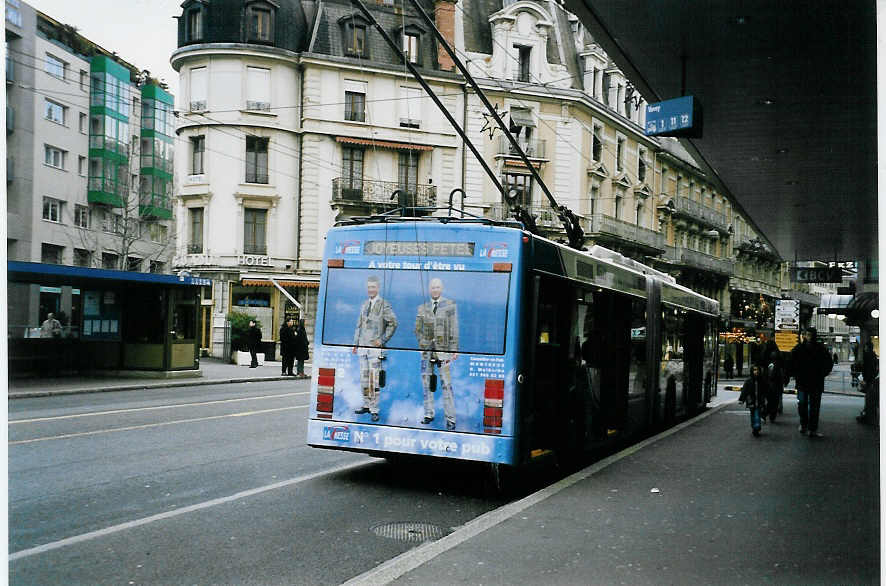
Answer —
(787, 315)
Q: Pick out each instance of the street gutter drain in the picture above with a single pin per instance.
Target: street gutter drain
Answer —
(409, 531)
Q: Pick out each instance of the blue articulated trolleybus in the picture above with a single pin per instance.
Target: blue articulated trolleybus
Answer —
(479, 340)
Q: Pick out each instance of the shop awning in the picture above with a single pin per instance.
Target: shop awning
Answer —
(282, 282)
(384, 144)
(857, 308)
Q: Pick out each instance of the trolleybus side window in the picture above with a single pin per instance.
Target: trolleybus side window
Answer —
(672, 372)
(637, 376)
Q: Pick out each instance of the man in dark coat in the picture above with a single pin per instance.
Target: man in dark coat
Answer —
(810, 362)
(776, 377)
(287, 346)
(301, 349)
(253, 339)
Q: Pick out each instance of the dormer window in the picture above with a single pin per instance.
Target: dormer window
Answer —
(194, 24)
(355, 37)
(260, 22)
(410, 46)
(523, 73)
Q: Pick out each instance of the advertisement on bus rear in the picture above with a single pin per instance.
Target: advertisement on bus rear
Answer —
(412, 342)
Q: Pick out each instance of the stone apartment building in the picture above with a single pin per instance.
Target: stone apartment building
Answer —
(89, 162)
(298, 114)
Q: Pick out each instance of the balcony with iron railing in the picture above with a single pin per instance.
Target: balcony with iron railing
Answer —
(693, 210)
(534, 149)
(607, 227)
(699, 260)
(379, 193)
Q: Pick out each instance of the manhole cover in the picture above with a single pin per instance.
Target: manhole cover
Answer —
(408, 531)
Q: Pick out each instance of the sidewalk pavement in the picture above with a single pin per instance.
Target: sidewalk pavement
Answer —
(839, 382)
(704, 502)
(213, 371)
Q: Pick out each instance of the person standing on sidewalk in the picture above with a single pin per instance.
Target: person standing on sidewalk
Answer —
(287, 347)
(728, 364)
(810, 363)
(301, 349)
(754, 393)
(775, 374)
(253, 339)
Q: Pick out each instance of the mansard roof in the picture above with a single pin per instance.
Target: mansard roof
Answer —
(224, 21)
(326, 38)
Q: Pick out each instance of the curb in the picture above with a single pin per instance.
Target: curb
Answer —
(142, 386)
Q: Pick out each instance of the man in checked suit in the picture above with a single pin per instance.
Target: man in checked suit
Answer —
(436, 327)
(375, 326)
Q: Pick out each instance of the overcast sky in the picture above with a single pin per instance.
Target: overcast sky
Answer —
(142, 32)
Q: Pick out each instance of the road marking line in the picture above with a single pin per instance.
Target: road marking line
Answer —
(134, 409)
(149, 425)
(170, 514)
(406, 562)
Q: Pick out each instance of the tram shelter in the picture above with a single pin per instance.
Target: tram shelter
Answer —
(141, 324)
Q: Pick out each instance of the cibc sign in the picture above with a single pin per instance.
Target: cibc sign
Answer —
(254, 260)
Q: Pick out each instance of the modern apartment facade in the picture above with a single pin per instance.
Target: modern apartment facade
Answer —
(75, 119)
(338, 124)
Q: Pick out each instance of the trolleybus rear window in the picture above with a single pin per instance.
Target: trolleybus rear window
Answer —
(469, 317)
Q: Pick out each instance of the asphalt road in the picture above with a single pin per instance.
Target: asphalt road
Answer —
(210, 484)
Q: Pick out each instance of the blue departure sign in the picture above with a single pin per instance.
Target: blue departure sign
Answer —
(676, 117)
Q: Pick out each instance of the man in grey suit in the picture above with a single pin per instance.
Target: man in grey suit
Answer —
(375, 326)
(436, 327)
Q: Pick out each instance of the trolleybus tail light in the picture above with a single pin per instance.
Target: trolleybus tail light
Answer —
(501, 267)
(493, 402)
(325, 392)
(335, 263)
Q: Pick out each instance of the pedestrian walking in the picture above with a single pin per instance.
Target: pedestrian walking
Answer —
(870, 370)
(776, 377)
(253, 339)
(728, 364)
(753, 394)
(287, 346)
(301, 349)
(810, 362)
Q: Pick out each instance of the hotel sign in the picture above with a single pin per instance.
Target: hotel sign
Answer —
(254, 260)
